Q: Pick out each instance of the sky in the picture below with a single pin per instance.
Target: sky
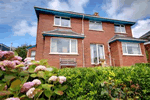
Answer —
(18, 21)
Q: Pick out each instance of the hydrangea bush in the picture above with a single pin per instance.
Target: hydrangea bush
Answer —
(28, 79)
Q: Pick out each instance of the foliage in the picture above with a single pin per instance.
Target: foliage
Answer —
(147, 55)
(22, 50)
(107, 83)
(29, 79)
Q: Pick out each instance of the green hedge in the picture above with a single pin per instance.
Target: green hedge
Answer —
(88, 83)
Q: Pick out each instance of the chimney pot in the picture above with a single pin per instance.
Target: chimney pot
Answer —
(96, 14)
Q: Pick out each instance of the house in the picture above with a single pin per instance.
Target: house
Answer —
(3, 47)
(147, 44)
(86, 38)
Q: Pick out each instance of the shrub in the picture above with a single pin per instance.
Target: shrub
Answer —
(107, 83)
(29, 79)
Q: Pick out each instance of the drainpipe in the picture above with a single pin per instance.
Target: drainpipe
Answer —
(83, 40)
(109, 54)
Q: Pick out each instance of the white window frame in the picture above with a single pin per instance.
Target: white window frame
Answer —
(95, 29)
(97, 53)
(33, 56)
(127, 49)
(60, 21)
(120, 28)
(69, 46)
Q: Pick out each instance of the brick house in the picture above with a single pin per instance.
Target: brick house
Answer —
(147, 44)
(85, 38)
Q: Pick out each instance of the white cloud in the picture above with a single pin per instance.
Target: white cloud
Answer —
(141, 28)
(22, 28)
(127, 9)
(71, 5)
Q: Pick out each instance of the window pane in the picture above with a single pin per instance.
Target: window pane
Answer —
(93, 53)
(63, 45)
(65, 21)
(123, 29)
(57, 20)
(54, 45)
(101, 51)
(133, 48)
(117, 28)
(33, 53)
(73, 46)
(124, 47)
(95, 25)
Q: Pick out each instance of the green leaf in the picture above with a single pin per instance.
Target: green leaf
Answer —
(59, 92)
(47, 93)
(2, 86)
(1, 73)
(23, 73)
(33, 75)
(41, 99)
(15, 85)
(64, 87)
(47, 86)
(8, 78)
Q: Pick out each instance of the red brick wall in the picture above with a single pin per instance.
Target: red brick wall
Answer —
(126, 60)
(46, 23)
(147, 47)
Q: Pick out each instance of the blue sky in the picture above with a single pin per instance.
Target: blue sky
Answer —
(18, 21)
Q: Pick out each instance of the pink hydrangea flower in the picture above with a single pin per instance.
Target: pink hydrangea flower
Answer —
(40, 68)
(30, 93)
(62, 79)
(1, 66)
(12, 98)
(17, 62)
(27, 86)
(28, 59)
(9, 64)
(17, 58)
(53, 78)
(37, 81)
(7, 54)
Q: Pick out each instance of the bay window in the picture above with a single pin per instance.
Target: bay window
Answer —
(62, 21)
(131, 48)
(64, 46)
(97, 53)
(95, 25)
(120, 28)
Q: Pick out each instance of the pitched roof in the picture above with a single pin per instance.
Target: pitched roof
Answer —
(145, 35)
(126, 38)
(63, 33)
(79, 15)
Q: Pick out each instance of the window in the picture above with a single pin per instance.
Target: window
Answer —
(60, 45)
(97, 53)
(120, 29)
(131, 48)
(33, 55)
(62, 21)
(93, 25)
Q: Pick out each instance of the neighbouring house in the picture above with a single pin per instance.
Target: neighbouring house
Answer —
(85, 40)
(147, 44)
(4, 47)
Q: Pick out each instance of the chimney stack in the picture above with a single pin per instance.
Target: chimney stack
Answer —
(96, 14)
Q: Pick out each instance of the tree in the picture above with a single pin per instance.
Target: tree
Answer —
(22, 50)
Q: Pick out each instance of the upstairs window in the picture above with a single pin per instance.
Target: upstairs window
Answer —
(120, 28)
(131, 48)
(94, 25)
(62, 21)
(64, 46)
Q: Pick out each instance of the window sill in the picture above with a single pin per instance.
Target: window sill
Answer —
(64, 54)
(120, 33)
(96, 30)
(132, 55)
(62, 26)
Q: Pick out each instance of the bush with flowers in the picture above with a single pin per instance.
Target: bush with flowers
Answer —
(25, 80)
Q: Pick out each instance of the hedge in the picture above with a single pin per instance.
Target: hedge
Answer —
(107, 83)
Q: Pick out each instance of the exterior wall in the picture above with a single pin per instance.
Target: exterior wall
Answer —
(46, 23)
(147, 47)
(29, 51)
(126, 60)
